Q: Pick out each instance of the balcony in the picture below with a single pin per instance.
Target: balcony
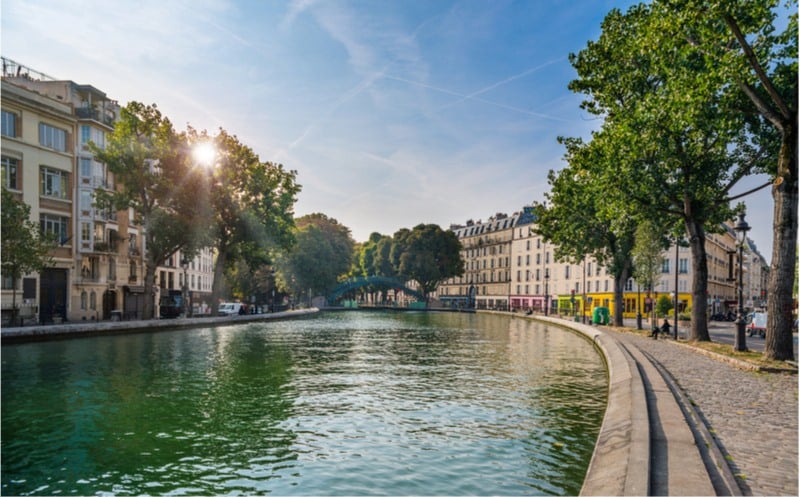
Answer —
(105, 247)
(106, 117)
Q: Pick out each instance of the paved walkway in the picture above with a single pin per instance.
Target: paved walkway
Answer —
(754, 416)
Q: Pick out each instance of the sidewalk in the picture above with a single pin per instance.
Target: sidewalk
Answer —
(754, 416)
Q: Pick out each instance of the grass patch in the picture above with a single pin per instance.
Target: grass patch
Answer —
(752, 357)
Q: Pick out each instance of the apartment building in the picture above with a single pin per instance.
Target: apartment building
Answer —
(486, 250)
(532, 280)
(99, 267)
(37, 166)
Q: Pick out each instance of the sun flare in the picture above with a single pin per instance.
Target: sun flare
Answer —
(204, 153)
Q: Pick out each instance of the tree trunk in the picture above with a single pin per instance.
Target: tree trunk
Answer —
(14, 311)
(148, 309)
(219, 273)
(778, 343)
(619, 288)
(697, 243)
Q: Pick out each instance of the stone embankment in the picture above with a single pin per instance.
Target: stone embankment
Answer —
(86, 328)
(684, 423)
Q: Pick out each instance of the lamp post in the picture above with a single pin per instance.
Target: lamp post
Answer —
(675, 305)
(741, 230)
(187, 308)
(583, 298)
(546, 290)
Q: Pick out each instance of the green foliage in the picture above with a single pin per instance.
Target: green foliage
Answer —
(678, 133)
(663, 305)
(647, 254)
(586, 215)
(323, 252)
(152, 168)
(250, 204)
(25, 248)
(427, 254)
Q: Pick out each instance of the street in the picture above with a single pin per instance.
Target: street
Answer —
(720, 332)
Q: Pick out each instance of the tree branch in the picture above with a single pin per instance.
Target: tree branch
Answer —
(753, 61)
(748, 192)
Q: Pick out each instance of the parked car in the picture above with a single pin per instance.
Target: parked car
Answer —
(171, 304)
(757, 323)
(230, 309)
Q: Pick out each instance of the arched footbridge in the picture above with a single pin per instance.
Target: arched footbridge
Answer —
(376, 281)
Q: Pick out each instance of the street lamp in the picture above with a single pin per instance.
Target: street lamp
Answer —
(546, 290)
(741, 230)
(187, 308)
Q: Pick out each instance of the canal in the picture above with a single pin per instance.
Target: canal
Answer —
(346, 403)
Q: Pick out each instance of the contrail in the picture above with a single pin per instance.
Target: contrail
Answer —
(464, 97)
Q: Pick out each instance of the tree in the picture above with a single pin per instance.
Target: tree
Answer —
(581, 218)
(25, 247)
(677, 143)
(322, 254)
(153, 173)
(663, 306)
(428, 255)
(251, 204)
(756, 62)
(369, 258)
(647, 255)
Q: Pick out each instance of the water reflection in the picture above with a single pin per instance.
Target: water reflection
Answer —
(350, 403)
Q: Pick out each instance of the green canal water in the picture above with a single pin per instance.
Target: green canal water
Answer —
(347, 403)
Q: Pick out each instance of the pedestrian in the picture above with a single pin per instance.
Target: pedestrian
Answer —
(665, 327)
(654, 333)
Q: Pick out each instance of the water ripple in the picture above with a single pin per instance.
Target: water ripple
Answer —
(343, 404)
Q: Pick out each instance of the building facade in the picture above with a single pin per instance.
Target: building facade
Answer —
(37, 166)
(98, 268)
(509, 266)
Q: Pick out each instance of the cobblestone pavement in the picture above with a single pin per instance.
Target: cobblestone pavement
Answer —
(753, 415)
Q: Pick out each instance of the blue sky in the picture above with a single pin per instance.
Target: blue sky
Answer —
(393, 113)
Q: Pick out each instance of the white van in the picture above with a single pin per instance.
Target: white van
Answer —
(757, 323)
(229, 309)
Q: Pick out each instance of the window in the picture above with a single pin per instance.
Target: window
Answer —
(86, 134)
(9, 124)
(11, 173)
(52, 137)
(56, 225)
(86, 200)
(566, 272)
(112, 269)
(86, 232)
(8, 283)
(93, 301)
(86, 167)
(665, 266)
(83, 299)
(54, 183)
(683, 265)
